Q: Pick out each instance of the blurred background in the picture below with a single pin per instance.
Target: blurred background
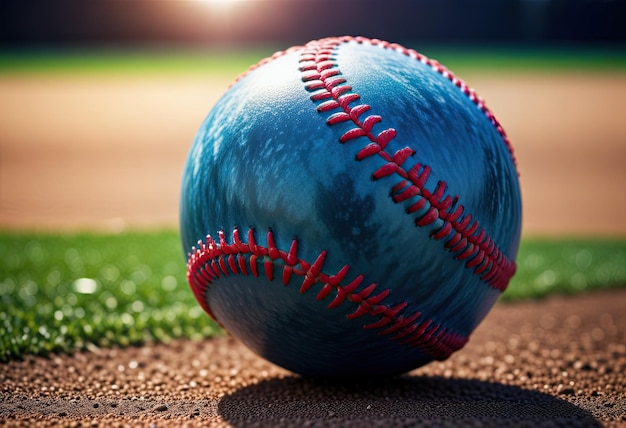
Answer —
(100, 99)
(236, 22)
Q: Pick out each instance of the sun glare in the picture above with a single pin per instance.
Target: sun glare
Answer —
(220, 2)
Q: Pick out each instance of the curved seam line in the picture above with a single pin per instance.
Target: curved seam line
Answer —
(462, 235)
(213, 259)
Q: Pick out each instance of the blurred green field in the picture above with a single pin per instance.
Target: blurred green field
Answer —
(120, 62)
(234, 61)
(67, 292)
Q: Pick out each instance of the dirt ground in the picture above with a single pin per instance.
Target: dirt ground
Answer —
(108, 152)
(559, 362)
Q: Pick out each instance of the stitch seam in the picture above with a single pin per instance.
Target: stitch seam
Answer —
(434, 64)
(461, 234)
(212, 259)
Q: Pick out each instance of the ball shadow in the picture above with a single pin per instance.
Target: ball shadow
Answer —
(406, 400)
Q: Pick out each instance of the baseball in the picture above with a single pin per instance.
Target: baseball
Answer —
(350, 208)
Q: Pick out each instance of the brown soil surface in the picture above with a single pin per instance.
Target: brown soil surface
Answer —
(109, 151)
(558, 362)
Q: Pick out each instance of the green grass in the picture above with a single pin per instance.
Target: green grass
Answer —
(235, 61)
(128, 63)
(526, 60)
(548, 266)
(66, 292)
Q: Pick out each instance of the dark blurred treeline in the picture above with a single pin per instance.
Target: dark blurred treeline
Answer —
(176, 22)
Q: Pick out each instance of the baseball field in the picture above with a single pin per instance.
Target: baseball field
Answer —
(98, 325)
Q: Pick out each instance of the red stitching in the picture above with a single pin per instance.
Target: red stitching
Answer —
(463, 236)
(214, 259)
(434, 64)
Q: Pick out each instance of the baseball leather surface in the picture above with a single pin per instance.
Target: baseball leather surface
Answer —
(350, 208)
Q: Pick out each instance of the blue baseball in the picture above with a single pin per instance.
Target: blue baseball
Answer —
(350, 208)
